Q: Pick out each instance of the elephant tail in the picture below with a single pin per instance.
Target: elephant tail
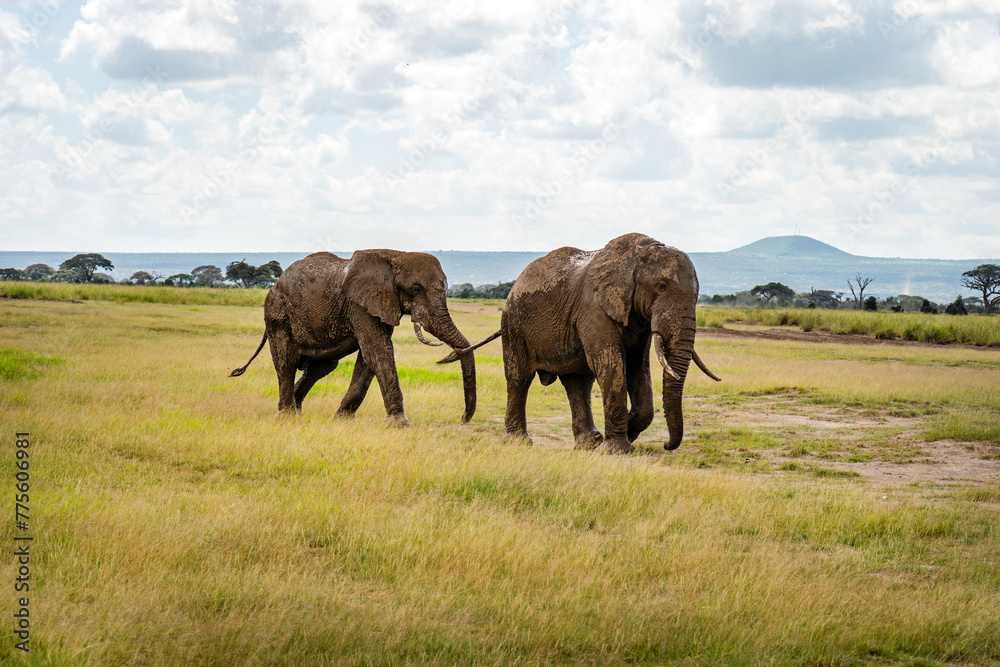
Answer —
(455, 354)
(243, 369)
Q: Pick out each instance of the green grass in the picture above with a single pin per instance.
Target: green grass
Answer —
(969, 329)
(20, 365)
(177, 520)
(133, 293)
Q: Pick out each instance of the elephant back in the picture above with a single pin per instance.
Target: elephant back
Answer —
(549, 273)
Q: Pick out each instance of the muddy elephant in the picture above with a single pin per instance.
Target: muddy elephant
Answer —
(324, 308)
(578, 316)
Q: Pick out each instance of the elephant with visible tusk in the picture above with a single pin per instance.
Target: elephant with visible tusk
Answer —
(578, 316)
(324, 308)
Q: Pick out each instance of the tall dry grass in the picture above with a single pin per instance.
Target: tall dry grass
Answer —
(133, 293)
(971, 329)
(178, 521)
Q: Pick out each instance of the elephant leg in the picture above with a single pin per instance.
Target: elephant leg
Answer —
(519, 375)
(578, 391)
(640, 390)
(375, 341)
(361, 380)
(515, 421)
(314, 371)
(609, 364)
(286, 360)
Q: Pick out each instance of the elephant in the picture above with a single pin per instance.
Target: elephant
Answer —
(578, 316)
(324, 308)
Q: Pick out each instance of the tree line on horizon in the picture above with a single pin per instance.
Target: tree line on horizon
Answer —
(83, 268)
(985, 279)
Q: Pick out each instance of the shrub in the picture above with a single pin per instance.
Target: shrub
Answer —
(957, 307)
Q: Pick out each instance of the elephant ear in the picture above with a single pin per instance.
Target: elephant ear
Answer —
(370, 283)
(612, 274)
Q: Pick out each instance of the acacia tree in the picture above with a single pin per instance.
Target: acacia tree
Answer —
(85, 265)
(862, 283)
(38, 272)
(986, 279)
(180, 280)
(141, 278)
(823, 298)
(246, 275)
(771, 290)
(11, 274)
(273, 269)
(207, 275)
(67, 276)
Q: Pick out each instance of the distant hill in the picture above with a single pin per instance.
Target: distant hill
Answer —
(800, 262)
(792, 247)
(803, 263)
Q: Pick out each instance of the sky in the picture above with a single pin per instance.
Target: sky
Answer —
(306, 125)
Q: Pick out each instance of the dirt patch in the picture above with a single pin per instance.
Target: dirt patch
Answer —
(808, 439)
(4, 296)
(949, 463)
(788, 413)
(822, 337)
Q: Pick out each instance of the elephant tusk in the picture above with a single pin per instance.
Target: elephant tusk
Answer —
(658, 345)
(703, 367)
(423, 339)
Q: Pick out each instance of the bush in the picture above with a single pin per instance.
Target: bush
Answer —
(957, 307)
(871, 303)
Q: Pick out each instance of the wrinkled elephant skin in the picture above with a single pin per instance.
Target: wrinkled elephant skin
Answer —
(324, 308)
(585, 316)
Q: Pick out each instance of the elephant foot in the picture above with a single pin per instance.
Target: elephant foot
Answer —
(616, 446)
(589, 441)
(344, 414)
(397, 420)
(288, 413)
(517, 438)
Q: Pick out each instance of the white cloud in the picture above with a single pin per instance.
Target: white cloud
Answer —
(305, 124)
(967, 53)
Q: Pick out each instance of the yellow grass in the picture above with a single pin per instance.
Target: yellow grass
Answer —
(133, 293)
(970, 329)
(178, 521)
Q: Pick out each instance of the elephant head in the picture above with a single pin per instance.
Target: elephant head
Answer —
(390, 283)
(635, 276)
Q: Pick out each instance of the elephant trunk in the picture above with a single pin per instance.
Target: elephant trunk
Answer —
(444, 328)
(678, 356)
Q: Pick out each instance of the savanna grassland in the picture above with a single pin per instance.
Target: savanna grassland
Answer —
(831, 504)
(883, 325)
